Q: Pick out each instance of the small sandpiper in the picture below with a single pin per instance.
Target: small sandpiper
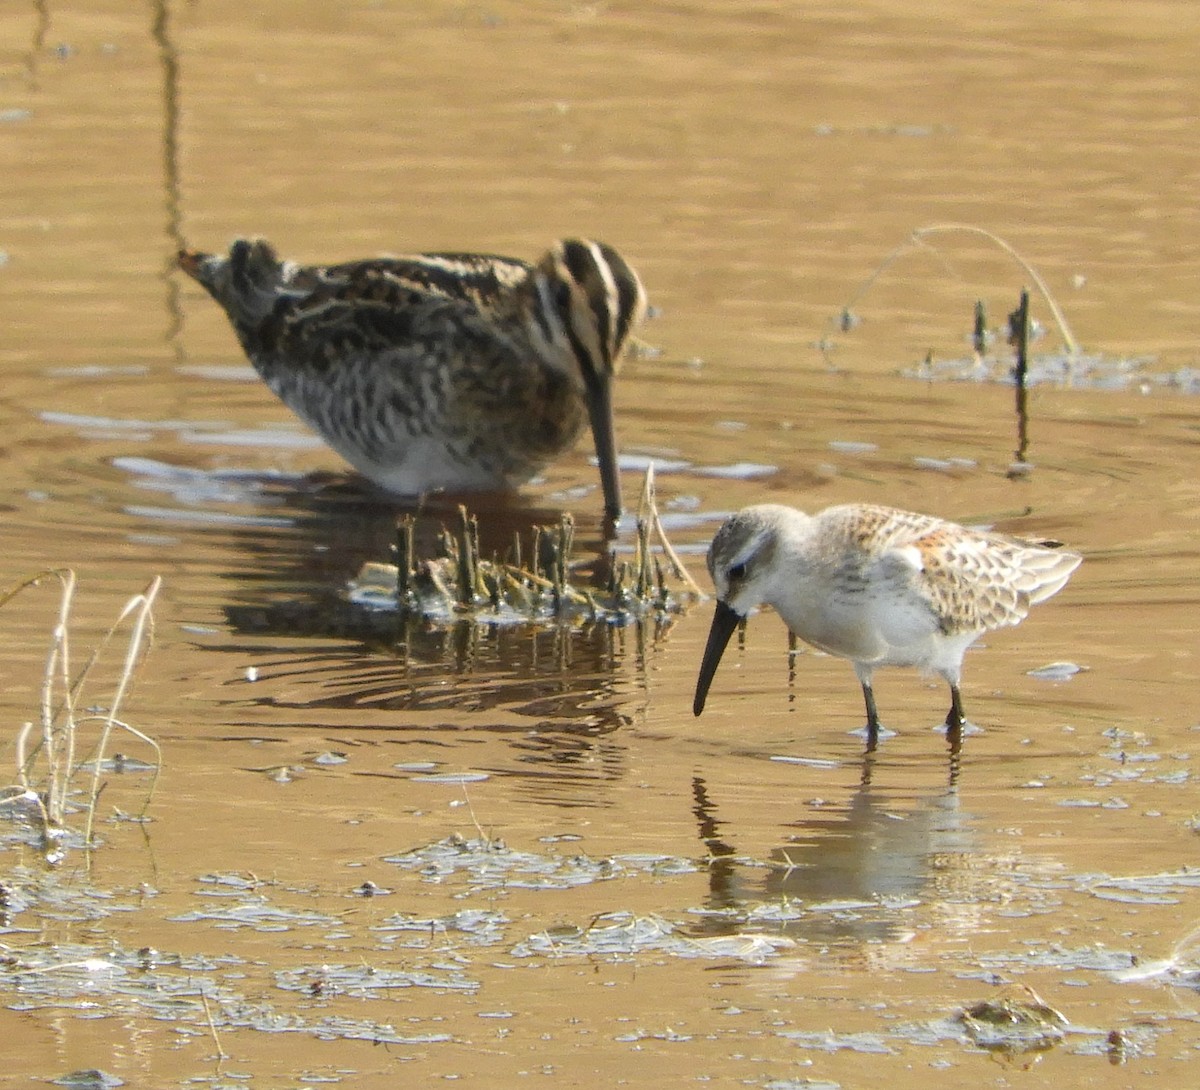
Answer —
(465, 372)
(877, 586)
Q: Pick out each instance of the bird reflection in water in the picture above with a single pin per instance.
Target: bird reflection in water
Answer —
(846, 871)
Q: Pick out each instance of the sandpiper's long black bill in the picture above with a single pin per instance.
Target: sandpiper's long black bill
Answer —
(600, 413)
(725, 620)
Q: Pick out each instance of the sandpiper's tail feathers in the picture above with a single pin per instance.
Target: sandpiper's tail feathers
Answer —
(247, 283)
(1042, 572)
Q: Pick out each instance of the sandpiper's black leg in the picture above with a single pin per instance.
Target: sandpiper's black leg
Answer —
(955, 720)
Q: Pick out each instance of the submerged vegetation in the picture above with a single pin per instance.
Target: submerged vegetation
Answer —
(532, 582)
(48, 749)
(1015, 1021)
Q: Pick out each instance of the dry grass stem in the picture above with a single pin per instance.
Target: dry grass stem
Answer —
(648, 508)
(57, 729)
(918, 241)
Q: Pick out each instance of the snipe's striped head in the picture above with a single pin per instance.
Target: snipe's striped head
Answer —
(587, 301)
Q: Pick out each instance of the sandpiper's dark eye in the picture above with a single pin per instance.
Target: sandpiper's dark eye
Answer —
(738, 571)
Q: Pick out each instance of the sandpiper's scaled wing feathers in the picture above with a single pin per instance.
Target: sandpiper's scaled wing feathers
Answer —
(971, 581)
(440, 370)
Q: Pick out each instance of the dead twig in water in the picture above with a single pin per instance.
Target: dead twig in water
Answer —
(917, 241)
(1018, 325)
(648, 507)
(212, 1026)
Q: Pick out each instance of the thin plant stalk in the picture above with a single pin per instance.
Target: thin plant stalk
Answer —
(404, 557)
(53, 743)
(140, 607)
(1018, 323)
(648, 508)
(58, 714)
(917, 240)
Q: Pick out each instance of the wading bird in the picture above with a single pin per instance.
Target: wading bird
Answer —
(465, 372)
(877, 586)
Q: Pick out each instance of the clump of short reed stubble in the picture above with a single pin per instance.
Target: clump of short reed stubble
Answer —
(533, 581)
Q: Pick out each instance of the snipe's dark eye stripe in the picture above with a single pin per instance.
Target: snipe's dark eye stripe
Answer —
(629, 293)
(586, 358)
(581, 261)
(582, 278)
(621, 294)
(600, 296)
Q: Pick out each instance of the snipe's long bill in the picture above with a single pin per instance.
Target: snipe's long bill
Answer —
(465, 372)
(877, 586)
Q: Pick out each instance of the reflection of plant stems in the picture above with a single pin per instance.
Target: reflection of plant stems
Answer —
(169, 58)
(917, 241)
(41, 24)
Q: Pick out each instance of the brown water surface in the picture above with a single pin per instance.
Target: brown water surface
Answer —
(572, 876)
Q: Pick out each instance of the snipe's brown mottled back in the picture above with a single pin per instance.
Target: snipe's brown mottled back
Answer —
(465, 372)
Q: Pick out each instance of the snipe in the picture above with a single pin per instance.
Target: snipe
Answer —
(431, 371)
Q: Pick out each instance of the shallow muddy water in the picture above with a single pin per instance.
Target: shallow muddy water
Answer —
(488, 855)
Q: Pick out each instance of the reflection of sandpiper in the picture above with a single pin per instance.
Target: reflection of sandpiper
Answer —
(844, 866)
(458, 371)
(877, 586)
